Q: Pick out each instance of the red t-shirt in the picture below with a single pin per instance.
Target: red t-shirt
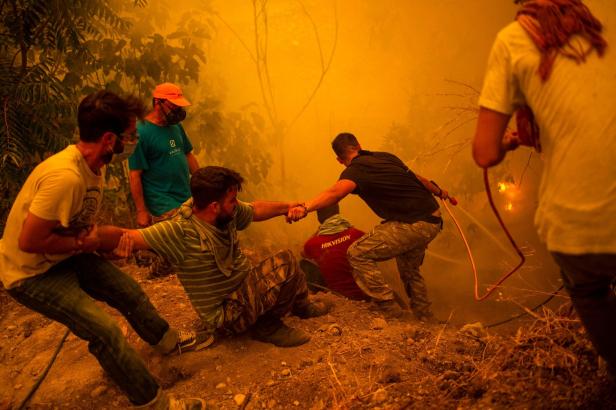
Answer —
(329, 252)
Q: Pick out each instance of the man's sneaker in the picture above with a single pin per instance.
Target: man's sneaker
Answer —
(186, 404)
(182, 341)
(274, 331)
(193, 341)
(312, 309)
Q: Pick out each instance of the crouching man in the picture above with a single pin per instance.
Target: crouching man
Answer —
(229, 294)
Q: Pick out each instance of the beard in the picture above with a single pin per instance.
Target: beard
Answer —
(223, 220)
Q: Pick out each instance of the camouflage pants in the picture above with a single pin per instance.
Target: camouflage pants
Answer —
(273, 288)
(403, 241)
(157, 265)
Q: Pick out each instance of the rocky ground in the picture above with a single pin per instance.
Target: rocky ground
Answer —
(357, 359)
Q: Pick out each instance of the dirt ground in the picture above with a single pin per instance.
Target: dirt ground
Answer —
(357, 359)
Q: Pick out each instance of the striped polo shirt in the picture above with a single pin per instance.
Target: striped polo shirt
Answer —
(209, 261)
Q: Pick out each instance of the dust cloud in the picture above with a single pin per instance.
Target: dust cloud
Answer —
(403, 76)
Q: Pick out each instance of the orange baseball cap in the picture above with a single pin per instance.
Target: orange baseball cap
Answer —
(171, 92)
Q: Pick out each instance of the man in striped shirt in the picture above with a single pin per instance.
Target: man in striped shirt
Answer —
(229, 294)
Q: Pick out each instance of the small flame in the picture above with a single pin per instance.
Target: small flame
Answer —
(509, 206)
(502, 187)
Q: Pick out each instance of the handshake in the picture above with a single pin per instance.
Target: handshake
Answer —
(297, 211)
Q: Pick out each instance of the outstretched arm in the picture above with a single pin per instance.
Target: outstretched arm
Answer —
(491, 141)
(110, 238)
(330, 196)
(264, 210)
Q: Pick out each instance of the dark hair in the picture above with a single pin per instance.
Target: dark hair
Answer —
(324, 213)
(209, 184)
(105, 111)
(343, 143)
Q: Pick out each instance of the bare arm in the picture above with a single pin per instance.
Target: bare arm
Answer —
(331, 195)
(37, 236)
(137, 238)
(193, 164)
(136, 189)
(110, 237)
(264, 210)
(489, 146)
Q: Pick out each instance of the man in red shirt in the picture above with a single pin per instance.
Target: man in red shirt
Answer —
(328, 250)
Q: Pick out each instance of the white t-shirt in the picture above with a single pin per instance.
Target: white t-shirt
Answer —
(576, 113)
(62, 188)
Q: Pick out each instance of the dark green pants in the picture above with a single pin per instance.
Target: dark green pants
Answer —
(66, 293)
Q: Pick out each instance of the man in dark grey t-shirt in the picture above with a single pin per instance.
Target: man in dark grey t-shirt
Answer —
(411, 220)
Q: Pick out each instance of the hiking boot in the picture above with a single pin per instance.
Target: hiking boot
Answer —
(182, 341)
(389, 308)
(312, 309)
(274, 331)
(191, 403)
(429, 318)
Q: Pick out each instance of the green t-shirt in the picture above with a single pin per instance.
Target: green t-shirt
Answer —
(209, 262)
(161, 154)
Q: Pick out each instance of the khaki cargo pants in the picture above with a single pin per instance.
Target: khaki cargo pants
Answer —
(407, 243)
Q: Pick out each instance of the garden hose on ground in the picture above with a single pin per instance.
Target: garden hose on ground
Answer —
(38, 382)
(502, 322)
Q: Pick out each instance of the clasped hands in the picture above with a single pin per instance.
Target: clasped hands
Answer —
(297, 211)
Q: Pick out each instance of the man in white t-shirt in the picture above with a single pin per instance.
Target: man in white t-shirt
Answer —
(556, 59)
(47, 259)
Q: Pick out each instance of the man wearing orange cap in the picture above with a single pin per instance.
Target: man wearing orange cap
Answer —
(162, 163)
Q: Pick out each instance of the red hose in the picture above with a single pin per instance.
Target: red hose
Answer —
(492, 288)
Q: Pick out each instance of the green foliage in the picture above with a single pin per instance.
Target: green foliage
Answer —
(234, 140)
(52, 52)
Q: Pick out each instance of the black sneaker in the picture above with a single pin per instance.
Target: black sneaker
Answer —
(188, 341)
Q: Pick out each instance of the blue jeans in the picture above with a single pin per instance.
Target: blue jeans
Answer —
(65, 294)
(588, 279)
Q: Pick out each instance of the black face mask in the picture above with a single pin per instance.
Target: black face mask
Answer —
(118, 148)
(174, 116)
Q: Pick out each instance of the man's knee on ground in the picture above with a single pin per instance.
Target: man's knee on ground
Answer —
(286, 256)
(288, 262)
